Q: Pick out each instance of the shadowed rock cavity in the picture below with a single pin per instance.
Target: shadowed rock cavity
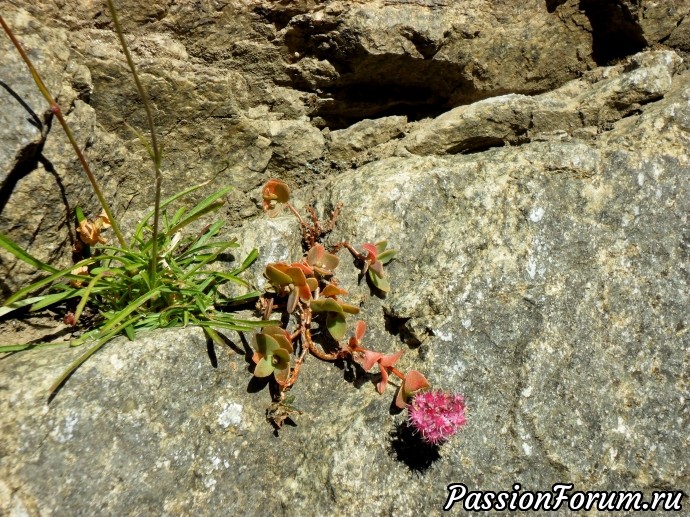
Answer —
(615, 32)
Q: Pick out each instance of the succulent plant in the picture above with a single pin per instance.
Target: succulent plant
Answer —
(273, 347)
(370, 358)
(335, 315)
(290, 280)
(376, 255)
(437, 415)
(413, 383)
(355, 343)
(275, 193)
(321, 261)
(311, 287)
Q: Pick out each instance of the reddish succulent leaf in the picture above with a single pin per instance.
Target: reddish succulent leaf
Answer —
(360, 328)
(369, 360)
(321, 260)
(274, 193)
(331, 291)
(371, 251)
(281, 376)
(413, 383)
(304, 267)
(292, 301)
(315, 253)
(389, 360)
(297, 276)
(329, 261)
(276, 190)
(304, 292)
(280, 266)
(381, 385)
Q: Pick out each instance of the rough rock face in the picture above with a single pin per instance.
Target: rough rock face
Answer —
(541, 218)
(240, 88)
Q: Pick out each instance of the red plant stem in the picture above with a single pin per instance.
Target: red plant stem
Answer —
(55, 109)
(296, 214)
(344, 244)
(268, 309)
(295, 371)
(396, 372)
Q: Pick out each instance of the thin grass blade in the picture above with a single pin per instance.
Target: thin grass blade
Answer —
(13, 248)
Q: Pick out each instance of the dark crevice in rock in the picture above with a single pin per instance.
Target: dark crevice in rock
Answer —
(26, 160)
(665, 39)
(49, 167)
(615, 32)
(351, 103)
(477, 144)
(400, 327)
(426, 46)
(280, 13)
(373, 86)
(552, 5)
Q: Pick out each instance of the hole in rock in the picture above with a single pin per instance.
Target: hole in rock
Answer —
(615, 32)
(376, 85)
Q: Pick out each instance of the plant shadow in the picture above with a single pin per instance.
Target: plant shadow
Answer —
(408, 447)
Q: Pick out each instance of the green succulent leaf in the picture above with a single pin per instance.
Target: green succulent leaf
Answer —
(281, 337)
(277, 277)
(377, 268)
(281, 359)
(381, 283)
(381, 247)
(326, 305)
(79, 213)
(349, 309)
(387, 256)
(265, 344)
(336, 325)
(264, 367)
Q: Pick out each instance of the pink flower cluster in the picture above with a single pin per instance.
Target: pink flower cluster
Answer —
(436, 415)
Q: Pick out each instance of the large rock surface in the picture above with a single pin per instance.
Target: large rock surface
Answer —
(544, 263)
(240, 90)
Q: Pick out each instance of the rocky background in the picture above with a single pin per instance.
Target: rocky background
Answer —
(528, 159)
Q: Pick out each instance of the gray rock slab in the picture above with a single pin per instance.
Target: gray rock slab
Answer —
(547, 282)
(597, 100)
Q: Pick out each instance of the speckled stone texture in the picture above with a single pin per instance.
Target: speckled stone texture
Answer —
(543, 272)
